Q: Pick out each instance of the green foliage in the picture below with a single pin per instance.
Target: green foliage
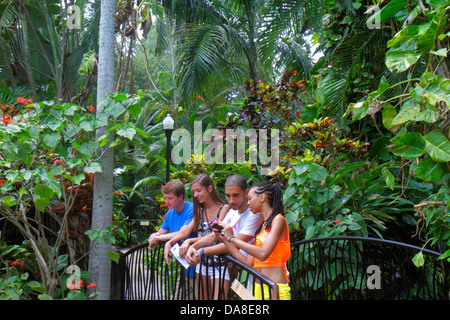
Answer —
(48, 155)
(346, 198)
(415, 109)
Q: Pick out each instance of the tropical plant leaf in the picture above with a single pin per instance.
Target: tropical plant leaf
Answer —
(388, 114)
(437, 89)
(409, 145)
(408, 112)
(389, 178)
(401, 60)
(430, 170)
(88, 63)
(437, 146)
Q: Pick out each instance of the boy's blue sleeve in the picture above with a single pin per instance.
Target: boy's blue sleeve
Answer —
(189, 214)
(165, 223)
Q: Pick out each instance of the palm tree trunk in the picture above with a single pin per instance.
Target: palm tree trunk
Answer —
(99, 263)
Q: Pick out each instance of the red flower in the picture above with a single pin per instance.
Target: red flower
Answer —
(92, 285)
(337, 221)
(24, 101)
(91, 108)
(18, 263)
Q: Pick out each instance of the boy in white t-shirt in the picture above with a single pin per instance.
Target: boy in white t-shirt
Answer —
(244, 222)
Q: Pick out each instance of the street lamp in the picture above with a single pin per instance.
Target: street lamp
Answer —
(168, 128)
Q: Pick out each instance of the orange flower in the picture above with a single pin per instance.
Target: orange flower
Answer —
(17, 263)
(24, 101)
(92, 285)
(118, 193)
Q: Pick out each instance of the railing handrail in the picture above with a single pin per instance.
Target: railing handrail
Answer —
(304, 272)
(255, 273)
(118, 294)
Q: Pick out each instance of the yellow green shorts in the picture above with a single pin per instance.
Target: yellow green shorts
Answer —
(283, 289)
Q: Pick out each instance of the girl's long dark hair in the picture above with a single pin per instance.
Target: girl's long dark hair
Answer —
(204, 180)
(275, 196)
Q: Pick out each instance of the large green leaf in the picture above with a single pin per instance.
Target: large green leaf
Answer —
(88, 62)
(437, 146)
(437, 4)
(127, 132)
(408, 112)
(382, 87)
(52, 139)
(360, 110)
(428, 37)
(93, 167)
(409, 145)
(430, 170)
(42, 196)
(389, 178)
(389, 10)
(401, 60)
(429, 114)
(388, 114)
(406, 33)
(437, 89)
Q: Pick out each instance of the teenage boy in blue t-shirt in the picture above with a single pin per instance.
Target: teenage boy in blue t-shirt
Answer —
(179, 215)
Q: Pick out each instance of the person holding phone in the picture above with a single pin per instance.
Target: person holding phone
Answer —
(271, 248)
(243, 222)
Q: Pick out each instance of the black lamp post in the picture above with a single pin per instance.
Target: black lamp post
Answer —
(168, 128)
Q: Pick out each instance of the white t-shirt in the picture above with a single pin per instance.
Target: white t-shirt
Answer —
(245, 223)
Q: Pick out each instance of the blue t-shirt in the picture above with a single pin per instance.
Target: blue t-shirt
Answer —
(173, 221)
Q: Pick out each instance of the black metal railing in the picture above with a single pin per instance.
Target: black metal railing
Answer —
(143, 274)
(354, 268)
(334, 268)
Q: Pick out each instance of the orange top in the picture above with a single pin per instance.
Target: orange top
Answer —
(280, 254)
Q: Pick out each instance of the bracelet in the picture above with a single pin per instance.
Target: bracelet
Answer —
(231, 238)
(201, 252)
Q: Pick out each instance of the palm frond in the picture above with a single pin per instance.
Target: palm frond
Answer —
(294, 56)
(206, 53)
(344, 64)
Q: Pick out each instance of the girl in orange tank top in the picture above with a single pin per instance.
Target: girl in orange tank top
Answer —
(271, 248)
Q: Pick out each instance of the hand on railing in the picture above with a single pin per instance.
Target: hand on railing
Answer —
(193, 256)
(153, 241)
(185, 247)
(167, 254)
